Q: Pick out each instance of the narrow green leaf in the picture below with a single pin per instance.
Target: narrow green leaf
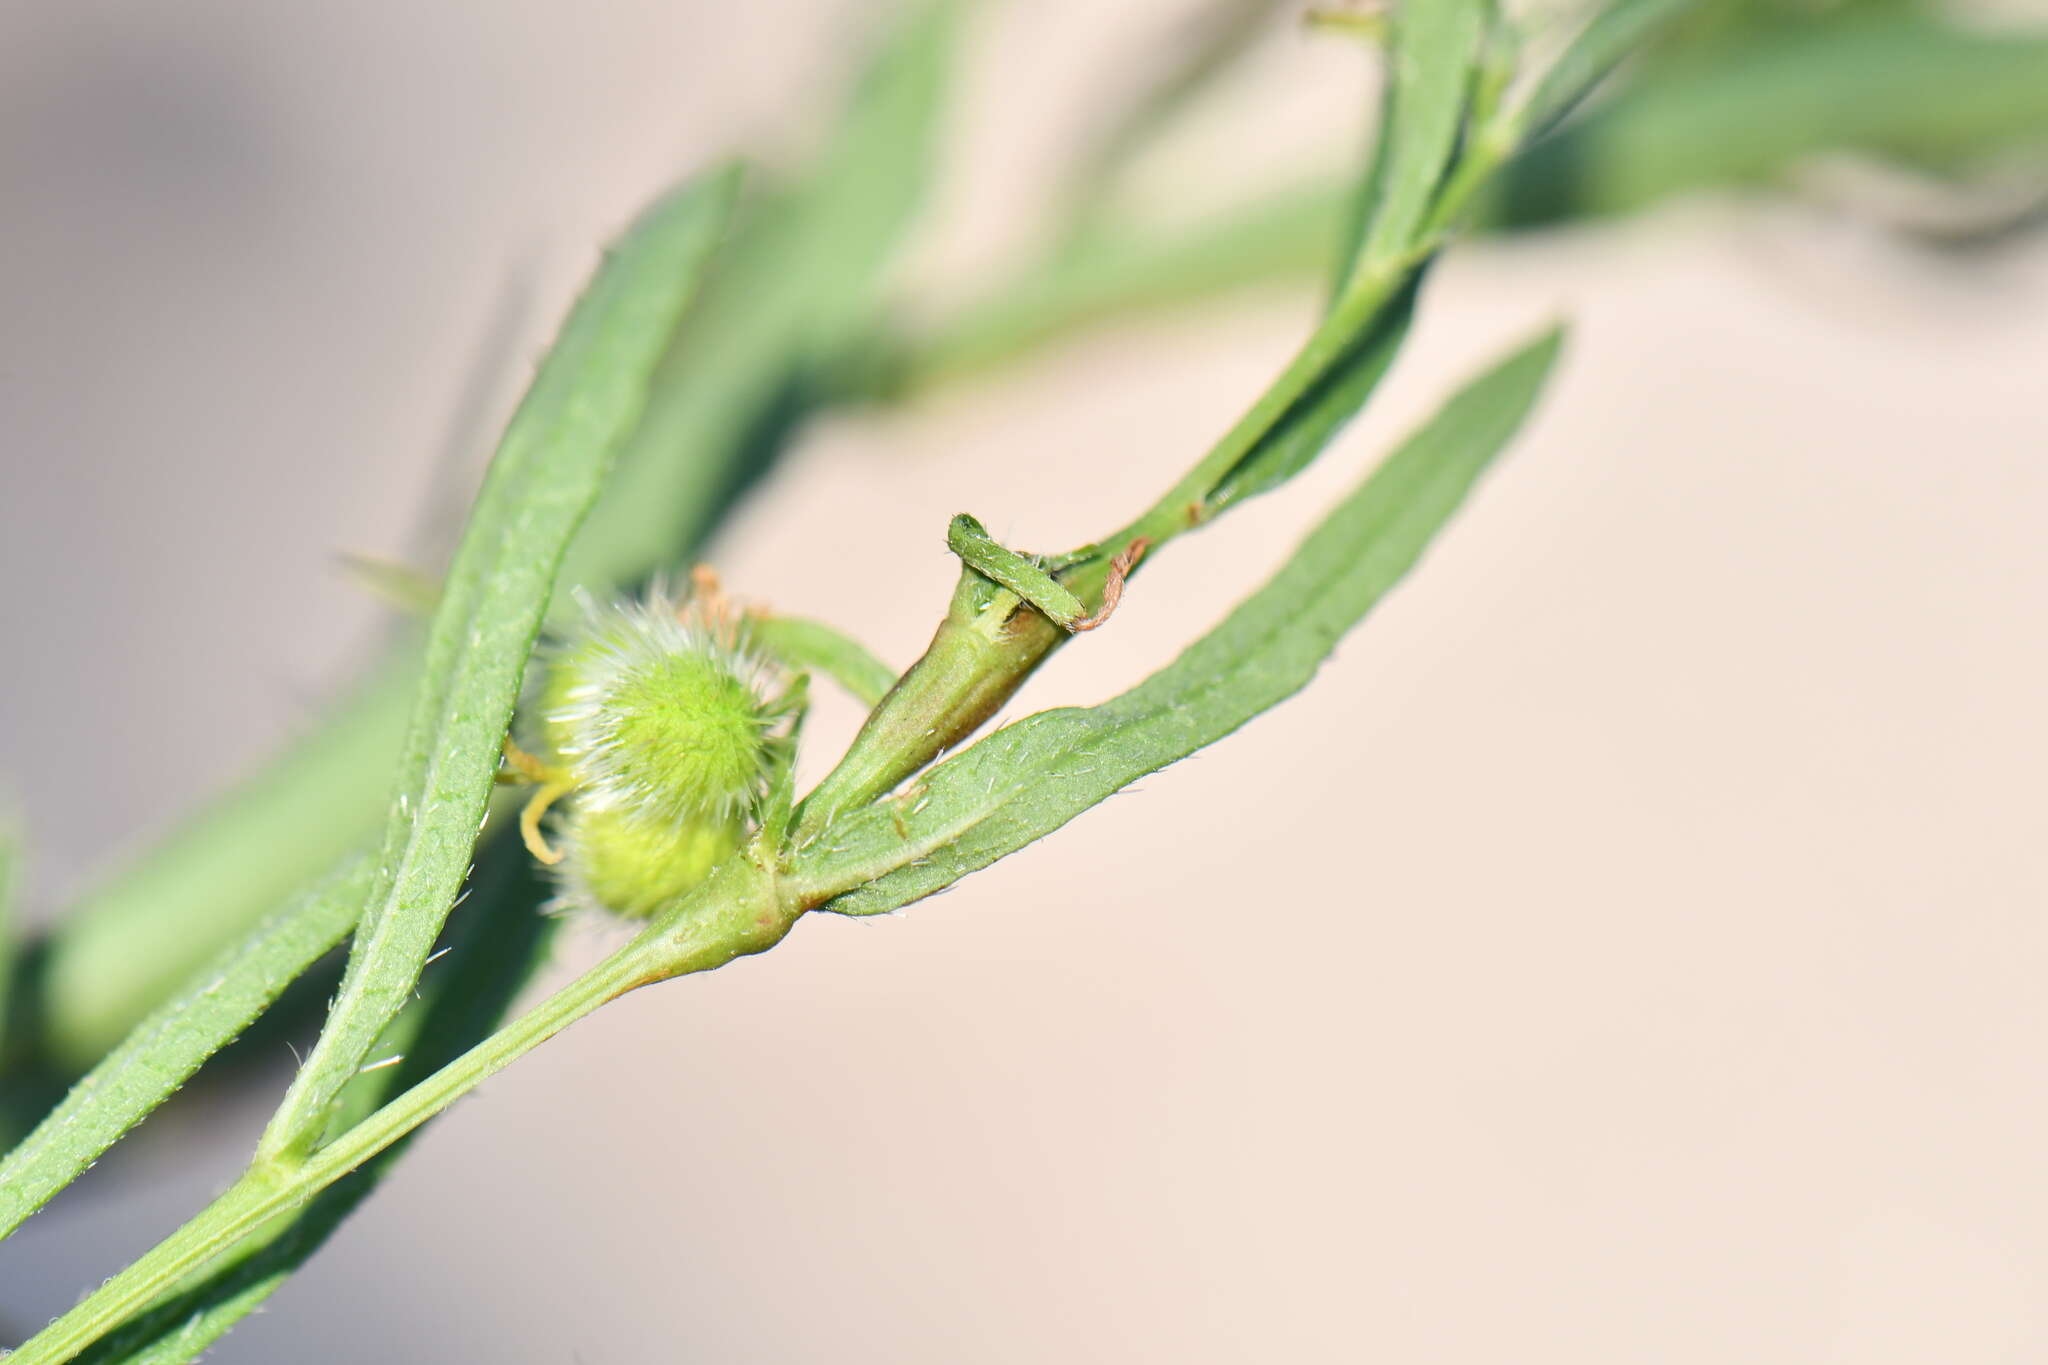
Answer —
(162, 1054)
(1321, 388)
(802, 277)
(735, 913)
(1431, 55)
(1023, 782)
(1618, 31)
(497, 939)
(1899, 85)
(817, 647)
(1738, 114)
(542, 482)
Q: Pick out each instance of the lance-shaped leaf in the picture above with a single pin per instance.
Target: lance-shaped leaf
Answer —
(163, 1053)
(1432, 56)
(1898, 84)
(542, 482)
(802, 276)
(1892, 82)
(1025, 781)
(495, 941)
(1430, 63)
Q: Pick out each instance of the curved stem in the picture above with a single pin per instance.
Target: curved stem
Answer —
(740, 912)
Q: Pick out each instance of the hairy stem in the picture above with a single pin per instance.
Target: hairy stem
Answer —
(741, 911)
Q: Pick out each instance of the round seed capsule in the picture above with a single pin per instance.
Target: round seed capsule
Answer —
(633, 864)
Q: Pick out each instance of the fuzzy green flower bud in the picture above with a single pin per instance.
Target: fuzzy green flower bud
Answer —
(662, 715)
(656, 723)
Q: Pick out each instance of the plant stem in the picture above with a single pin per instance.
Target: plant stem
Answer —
(989, 643)
(738, 912)
(982, 653)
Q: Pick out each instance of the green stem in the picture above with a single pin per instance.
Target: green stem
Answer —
(166, 1049)
(987, 647)
(739, 912)
(982, 653)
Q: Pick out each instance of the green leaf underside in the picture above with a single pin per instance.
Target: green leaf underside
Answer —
(1119, 273)
(542, 482)
(1027, 780)
(169, 1046)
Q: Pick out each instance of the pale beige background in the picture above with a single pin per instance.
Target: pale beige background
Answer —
(1629, 950)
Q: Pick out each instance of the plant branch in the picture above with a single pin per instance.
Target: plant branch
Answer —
(542, 482)
(742, 910)
(168, 1047)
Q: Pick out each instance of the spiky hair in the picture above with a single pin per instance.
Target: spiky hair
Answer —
(662, 708)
